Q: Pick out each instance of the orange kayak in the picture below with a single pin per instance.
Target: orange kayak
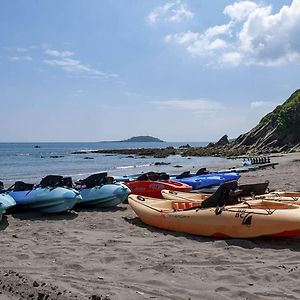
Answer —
(250, 219)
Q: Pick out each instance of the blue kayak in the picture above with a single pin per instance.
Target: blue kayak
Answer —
(48, 200)
(200, 181)
(126, 178)
(228, 176)
(6, 201)
(107, 195)
(203, 178)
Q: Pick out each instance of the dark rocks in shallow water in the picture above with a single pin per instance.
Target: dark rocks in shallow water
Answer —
(56, 156)
(37, 146)
(187, 152)
(130, 156)
(185, 146)
(88, 157)
(177, 166)
(79, 152)
(210, 145)
(161, 163)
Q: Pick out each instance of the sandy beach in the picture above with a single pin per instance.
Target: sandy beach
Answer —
(111, 254)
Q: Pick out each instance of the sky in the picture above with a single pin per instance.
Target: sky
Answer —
(180, 70)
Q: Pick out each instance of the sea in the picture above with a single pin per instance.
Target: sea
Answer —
(29, 162)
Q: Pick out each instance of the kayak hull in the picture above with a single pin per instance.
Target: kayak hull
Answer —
(198, 182)
(47, 200)
(248, 220)
(153, 189)
(105, 196)
(6, 202)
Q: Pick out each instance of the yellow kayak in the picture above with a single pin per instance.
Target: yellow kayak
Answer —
(250, 219)
(291, 197)
(184, 196)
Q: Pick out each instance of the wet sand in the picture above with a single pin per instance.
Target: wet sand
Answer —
(111, 254)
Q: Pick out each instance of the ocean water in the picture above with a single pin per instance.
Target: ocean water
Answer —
(23, 161)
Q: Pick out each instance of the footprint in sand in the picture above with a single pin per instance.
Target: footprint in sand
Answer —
(22, 256)
(222, 289)
(75, 267)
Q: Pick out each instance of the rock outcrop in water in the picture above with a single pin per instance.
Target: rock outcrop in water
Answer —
(277, 131)
(221, 142)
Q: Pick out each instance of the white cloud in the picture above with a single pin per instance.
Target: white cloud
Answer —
(202, 44)
(173, 12)
(197, 105)
(56, 53)
(20, 58)
(78, 93)
(65, 61)
(254, 34)
(22, 49)
(231, 59)
(240, 10)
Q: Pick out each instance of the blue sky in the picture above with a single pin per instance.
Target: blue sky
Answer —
(186, 70)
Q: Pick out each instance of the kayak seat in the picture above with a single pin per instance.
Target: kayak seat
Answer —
(153, 176)
(21, 186)
(52, 181)
(253, 189)
(226, 194)
(202, 171)
(110, 180)
(93, 180)
(143, 177)
(184, 175)
(184, 205)
(67, 181)
(163, 176)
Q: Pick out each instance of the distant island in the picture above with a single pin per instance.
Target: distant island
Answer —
(142, 139)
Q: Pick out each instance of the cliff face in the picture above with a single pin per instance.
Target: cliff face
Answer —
(279, 129)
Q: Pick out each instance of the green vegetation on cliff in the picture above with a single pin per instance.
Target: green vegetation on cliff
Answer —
(279, 130)
(286, 117)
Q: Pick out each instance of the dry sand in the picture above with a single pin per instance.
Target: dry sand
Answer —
(110, 254)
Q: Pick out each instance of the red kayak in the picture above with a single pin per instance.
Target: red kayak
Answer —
(151, 184)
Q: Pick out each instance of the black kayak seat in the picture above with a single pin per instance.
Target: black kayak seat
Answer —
(202, 171)
(153, 176)
(184, 175)
(253, 189)
(226, 194)
(52, 181)
(21, 186)
(163, 176)
(93, 180)
(68, 182)
(1, 186)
